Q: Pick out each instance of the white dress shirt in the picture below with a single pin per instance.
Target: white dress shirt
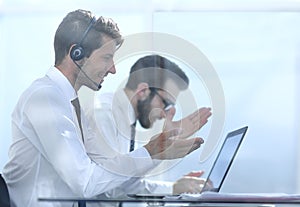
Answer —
(113, 116)
(47, 157)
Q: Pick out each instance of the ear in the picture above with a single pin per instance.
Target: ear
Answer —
(142, 91)
(70, 50)
(76, 54)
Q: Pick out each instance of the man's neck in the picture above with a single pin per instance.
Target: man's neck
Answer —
(131, 95)
(69, 73)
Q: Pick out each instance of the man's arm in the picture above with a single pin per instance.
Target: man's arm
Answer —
(58, 139)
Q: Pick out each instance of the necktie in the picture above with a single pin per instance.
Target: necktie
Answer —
(132, 137)
(76, 105)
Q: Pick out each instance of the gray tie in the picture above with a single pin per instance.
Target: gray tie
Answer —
(76, 105)
(132, 137)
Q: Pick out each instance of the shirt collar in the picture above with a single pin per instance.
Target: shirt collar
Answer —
(63, 83)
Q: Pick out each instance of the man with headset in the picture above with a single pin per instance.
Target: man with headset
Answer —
(47, 157)
(150, 94)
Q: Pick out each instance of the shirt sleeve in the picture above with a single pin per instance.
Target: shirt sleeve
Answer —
(138, 185)
(102, 148)
(59, 140)
(108, 140)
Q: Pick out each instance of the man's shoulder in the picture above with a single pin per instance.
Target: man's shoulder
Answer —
(108, 100)
(106, 97)
(41, 88)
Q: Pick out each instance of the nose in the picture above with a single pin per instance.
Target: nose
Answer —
(162, 114)
(112, 69)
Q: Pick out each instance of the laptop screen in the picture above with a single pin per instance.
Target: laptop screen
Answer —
(224, 159)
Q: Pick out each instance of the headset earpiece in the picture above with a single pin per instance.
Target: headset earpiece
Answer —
(77, 53)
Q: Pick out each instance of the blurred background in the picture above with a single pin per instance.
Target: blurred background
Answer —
(253, 47)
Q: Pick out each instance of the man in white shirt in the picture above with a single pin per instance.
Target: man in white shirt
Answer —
(150, 93)
(47, 157)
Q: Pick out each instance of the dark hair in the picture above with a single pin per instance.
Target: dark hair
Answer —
(71, 31)
(156, 70)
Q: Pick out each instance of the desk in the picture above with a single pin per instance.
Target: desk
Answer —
(236, 201)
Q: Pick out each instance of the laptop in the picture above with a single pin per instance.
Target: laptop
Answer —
(224, 160)
(219, 172)
(221, 164)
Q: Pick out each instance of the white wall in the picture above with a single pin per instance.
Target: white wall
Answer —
(255, 56)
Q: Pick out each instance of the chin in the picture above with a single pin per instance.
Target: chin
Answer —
(151, 123)
(147, 125)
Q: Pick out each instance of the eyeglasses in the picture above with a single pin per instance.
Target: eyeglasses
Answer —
(168, 104)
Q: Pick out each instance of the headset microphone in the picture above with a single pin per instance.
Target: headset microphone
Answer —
(98, 85)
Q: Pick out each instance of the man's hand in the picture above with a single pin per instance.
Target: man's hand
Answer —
(190, 183)
(190, 124)
(167, 145)
(172, 142)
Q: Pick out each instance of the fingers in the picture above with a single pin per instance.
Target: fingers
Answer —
(174, 148)
(190, 124)
(170, 133)
(209, 185)
(195, 173)
(188, 184)
(200, 117)
(170, 114)
(204, 113)
(184, 147)
(197, 185)
(196, 143)
(194, 121)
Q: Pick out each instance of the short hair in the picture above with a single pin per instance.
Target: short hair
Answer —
(71, 31)
(155, 70)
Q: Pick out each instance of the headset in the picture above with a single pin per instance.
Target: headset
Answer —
(77, 51)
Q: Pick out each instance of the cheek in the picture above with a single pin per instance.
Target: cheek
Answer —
(156, 103)
(100, 71)
(156, 110)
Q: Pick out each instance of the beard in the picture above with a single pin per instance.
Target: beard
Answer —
(144, 109)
